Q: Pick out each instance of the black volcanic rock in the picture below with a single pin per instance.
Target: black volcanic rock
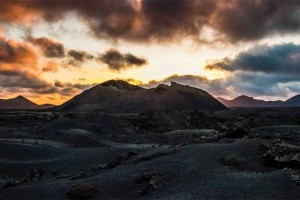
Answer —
(122, 97)
(281, 155)
(45, 106)
(21, 103)
(82, 191)
(238, 133)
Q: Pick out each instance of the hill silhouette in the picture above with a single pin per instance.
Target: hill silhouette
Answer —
(117, 96)
(246, 101)
(21, 103)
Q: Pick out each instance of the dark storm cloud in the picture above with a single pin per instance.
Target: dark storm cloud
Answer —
(18, 81)
(283, 59)
(263, 70)
(12, 52)
(19, 70)
(71, 89)
(49, 47)
(277, 59)
(256, 84)
(134, 60)
(14, 81)
(64, 89)
(80, 86)
(155, 20)
(59, 84)
(76, 57)
(51, 66)
(113, 18)
(243, 20)
(80, 56)
(11, 78)
(18, 67)
(165, 20)
(220, 65)
(48, 90)
(112, 57)
(118, 61)
(262, 84)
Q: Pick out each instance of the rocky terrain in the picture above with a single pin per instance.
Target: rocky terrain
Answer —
(191, 154)
(120, 141)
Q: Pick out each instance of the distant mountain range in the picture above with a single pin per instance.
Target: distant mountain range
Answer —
(118, 96)
(245, 101)
(21, 103)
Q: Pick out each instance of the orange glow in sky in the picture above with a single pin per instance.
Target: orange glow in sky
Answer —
(50, 52)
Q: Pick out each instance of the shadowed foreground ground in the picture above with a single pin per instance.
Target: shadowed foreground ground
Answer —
(235, 154)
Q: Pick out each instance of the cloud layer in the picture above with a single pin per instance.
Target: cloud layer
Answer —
(152, 20)
(23, 64)
(117, 61)
(274, 69)
(20, 69)
(263, 70)
(49, 47)
(15, 53)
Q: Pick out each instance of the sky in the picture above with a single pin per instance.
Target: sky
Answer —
(51, 50)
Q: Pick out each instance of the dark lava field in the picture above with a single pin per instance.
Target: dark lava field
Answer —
(232, 154)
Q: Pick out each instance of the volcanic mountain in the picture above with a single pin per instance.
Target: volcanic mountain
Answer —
(21, 103)
(117, 96)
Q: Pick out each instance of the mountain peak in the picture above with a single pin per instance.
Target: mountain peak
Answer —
(17, 103)
(121, 85)
(21, 97)
(21, 103)
(244, 97)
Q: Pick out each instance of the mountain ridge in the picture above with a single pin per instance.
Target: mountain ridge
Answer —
(246, 101)
(119, 89)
